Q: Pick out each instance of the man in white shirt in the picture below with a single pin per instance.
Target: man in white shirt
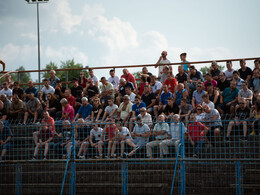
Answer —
(155, 85)
(229, 71)
(206, 101)
(92, 76)
(113, 79)
(47, 88)
(123, 134)
(6, 90)
(110, 110)
(162, 60)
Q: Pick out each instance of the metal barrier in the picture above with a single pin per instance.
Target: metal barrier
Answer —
(211, 164)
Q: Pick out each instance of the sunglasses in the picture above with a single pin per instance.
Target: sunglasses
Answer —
(199, 109)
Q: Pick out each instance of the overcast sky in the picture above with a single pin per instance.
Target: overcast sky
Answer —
(122, 32)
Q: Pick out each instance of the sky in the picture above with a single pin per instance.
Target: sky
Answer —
(120, 32)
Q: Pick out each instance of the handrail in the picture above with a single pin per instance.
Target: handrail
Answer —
(8, 73)
(142, 65)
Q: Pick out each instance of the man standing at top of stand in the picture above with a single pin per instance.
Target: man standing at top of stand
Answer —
(162, 60)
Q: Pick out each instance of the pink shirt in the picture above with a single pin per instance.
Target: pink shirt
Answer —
(69, 110)
(214, 83)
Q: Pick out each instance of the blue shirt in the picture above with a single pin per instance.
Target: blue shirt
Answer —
(185, 66)
(137, 108)
(164, 97)
(54, 82)
(85, 111)
(229, 95)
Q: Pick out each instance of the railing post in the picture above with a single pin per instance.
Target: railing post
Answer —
(18, 179)
(73, 165)
(239, 178)
(182, 162)
(124, 178)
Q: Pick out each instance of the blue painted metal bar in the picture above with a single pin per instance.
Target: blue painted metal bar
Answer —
(18, 179)
(66, 169)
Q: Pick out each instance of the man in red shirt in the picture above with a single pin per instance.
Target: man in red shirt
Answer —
(171, 82)
(71, 99)
(129, 77)
(196, 134)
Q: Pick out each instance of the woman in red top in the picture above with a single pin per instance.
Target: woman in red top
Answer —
(142, 84)
(171, 82)
(82, 79)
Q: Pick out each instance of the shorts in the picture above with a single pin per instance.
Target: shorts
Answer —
(140, 144)
(224, 107)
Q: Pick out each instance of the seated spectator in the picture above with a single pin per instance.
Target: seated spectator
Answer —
(155, 85)
(93, 77)
(47, 89)
(245, 72)
(67, 110)
(256, 119)
(246, 93)
(163, 76)
(6, 139)
(142, 84)
(7, 91)
(129, 77)
(42, 101)
(53, 105)
(136, 110)
(29, 90)
(3, 114)
(163, 101)
(75, 88)
(121, 90)
(228, 99)
(181, 93)
(125, 110)
(84, 110)
(214, 94)
(196, 130)
(160, 131)
(175, 134)
(206, 101)
(113, 79)
(146, 117)
(162, 60)
(128, 91)
(209, 79)
(45, 137)
(6, 102)
(238, 80)
(53, 78)
(185, 110)
(33, 110)
(214, 71)
(223, 83)
(59, 90)
(185, 66)
(257, 64)
(145, 73)
(197, 95)
(83, 140)
(229, 71)
(170, 109)
(17, 90)
(97, 111)
(171, 82)
(110, 139)
(91, 90)
(110, 110)
(70, 98)
(107, 90)
(82, 81)
(148, 98)
(140, 137)
(255, 83)
(213, 121)
(123, 135)
(17, 109)
(182, 76)
(199, 113)
(9, 81)
(95, 136)
(194, 77)
(241, 118)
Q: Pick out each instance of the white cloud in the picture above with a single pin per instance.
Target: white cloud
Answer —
(65, 53)
(29, 35)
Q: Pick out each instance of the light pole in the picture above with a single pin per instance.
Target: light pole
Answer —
(38, 34)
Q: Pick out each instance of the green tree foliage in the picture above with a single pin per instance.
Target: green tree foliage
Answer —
(204, 70)
(23, 77)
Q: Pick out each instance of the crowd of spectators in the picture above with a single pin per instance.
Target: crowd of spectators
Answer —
(120, 112)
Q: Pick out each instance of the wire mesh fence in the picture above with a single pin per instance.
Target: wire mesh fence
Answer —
(172, 157)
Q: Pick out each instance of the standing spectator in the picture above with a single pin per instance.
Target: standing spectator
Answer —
(175, 133)
(129, 77)
(246, 93)
(182, 76)
(160, 131)
(53, 78)
(6, 90)
(255, 83)
(59, 90)
(125, 109)
(47, 88)
(84, 110)
(6, 139)
(17, 109)
(92, 76)
(185, 110)
(228, 99)
(34, 109)
(229, 71)
(107, 90)
(171, 82)
(110, 110)
(146, 73)
(209, 79)
(29, 90)
(170, 109)
(17, 90)
(245, 72)
(197, 95)
(82, 79)
(91, 90)
(113, 79)
(223, 83)
(148, 98)
(67, 110)
(162, 60)
(136, 110)
(185, 66)
(180, 93)
(76, 88)
(238, 80)
(194, 77)
(155, 85)
(214, 71)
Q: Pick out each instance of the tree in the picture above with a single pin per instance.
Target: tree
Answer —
(204, 70)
